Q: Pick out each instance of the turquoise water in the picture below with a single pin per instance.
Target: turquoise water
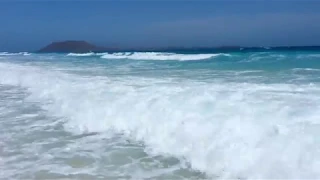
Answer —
(157, 115)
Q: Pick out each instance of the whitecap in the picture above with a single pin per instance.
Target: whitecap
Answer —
(159, 56)
(81, 54)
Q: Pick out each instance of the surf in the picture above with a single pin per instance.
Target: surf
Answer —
(224, 129)
(161, 56)
(14, 54)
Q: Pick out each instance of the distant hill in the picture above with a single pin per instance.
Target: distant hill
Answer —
(70, 47)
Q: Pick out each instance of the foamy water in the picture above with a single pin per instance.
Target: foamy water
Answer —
(149, 56)
(223, 117)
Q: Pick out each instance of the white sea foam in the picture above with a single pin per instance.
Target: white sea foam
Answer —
(227, 130)
(149, 56)
(159, 56)
(14, 54)
(304, 56)
(305, 69)
(81, 54)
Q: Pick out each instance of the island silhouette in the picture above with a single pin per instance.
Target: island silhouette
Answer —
(70, 46)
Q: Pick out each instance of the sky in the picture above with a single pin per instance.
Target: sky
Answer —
(27, 25)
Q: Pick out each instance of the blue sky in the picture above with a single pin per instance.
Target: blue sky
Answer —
(30, 24)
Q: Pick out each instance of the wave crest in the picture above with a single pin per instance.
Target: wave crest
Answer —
(81, 54)
(149, 56)
(14, 54)
(159, 56)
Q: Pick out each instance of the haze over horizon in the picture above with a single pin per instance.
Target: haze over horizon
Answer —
(30, 25)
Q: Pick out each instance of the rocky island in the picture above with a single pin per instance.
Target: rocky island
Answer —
(70, 47)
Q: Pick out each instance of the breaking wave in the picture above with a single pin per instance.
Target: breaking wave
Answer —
(227, 130)
(81, 54)
(14, 54)
(159, 56)
(149, 56)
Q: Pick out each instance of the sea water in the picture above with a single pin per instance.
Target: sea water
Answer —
(160, 115)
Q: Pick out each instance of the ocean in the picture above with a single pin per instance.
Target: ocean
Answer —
(160, 115)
